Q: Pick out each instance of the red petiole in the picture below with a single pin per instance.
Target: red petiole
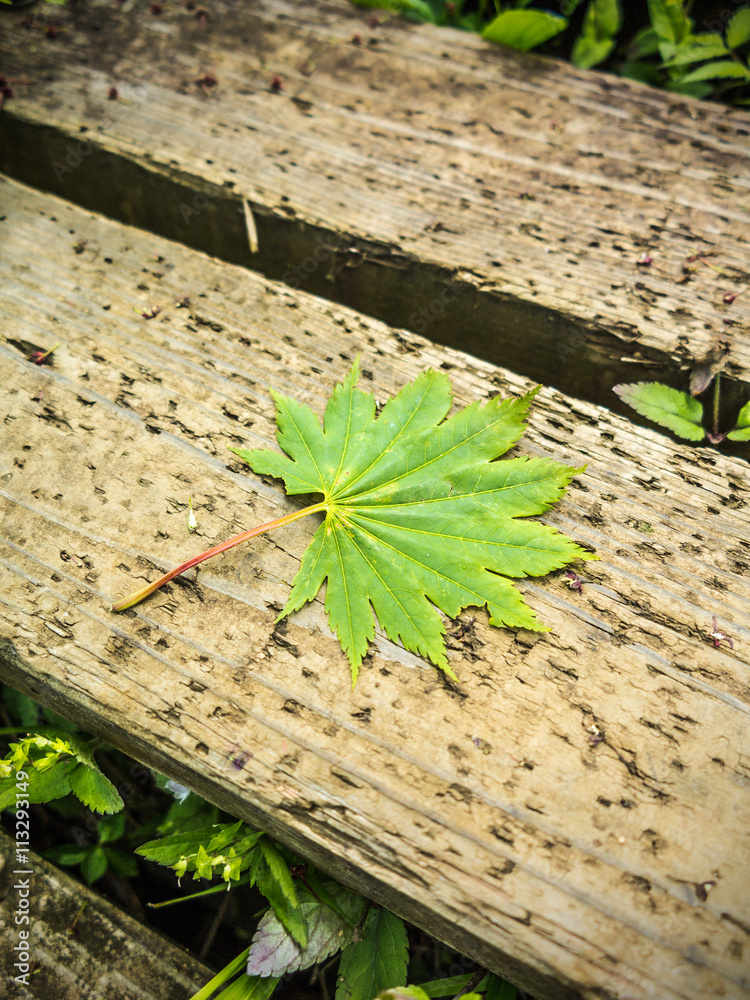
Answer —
(151, 588)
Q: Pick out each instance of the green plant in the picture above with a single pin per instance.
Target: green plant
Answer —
(310, 917)
(306, 924)
(670, 53)
(524, 29)
(509, 24)
(601, 26)
(96, 858)
(56, 763)
(667, 52)
(681, 413)
(418, 512)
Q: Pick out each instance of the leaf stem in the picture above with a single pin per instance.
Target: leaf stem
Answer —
(211, 891)
(472, 983)
(717, 380)
(151, 588)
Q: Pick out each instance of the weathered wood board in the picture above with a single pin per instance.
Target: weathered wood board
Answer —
(495, 201)
(574, 813)
(83, 946)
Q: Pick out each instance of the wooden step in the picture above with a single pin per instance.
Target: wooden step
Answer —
(491, 200)
(81, 946)
(573, 813)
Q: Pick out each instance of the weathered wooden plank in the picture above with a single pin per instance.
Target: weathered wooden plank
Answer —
(495, 201)
(82, 947)
(573, 814)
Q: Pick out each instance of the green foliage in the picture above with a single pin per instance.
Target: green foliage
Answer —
(418, 512)
(420, 9)
(96, 858)
(500, 989)
(699, 64)
(666, 53)
(243, 988)
(223, 849)
(680, 412)
(403, 993)
(697, 48)
(666, 406)
(30, 715)
(185, 813)
(375, 960)
(524, 29)
(249, 988)
(56, 763)
(229, 851)
(274, 951)
(601, 25)
(741, 430)
(738, 29)
(419, 993)
(373, 942)
(568, 7)
(721, 69)
(275, 882)
(319, 921)
(670, 20)
(515, 27)
(20, 706)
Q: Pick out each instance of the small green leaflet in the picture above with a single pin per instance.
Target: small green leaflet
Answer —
(376, 960)
(524, 29)
(601, 24)
(169, 850)
(666, 406)
(738, 29)
(275, 882)
(741, 431)
(418, 514)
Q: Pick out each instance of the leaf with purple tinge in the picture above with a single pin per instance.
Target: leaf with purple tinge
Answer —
(274, 952)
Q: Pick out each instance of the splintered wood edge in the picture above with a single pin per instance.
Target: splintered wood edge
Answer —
(530, 267)
(357, 795)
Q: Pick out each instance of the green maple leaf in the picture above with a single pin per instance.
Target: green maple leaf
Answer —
(419, 515)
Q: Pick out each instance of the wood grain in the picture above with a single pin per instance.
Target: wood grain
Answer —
(495, 201)
(82, 946)
(573, 814)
